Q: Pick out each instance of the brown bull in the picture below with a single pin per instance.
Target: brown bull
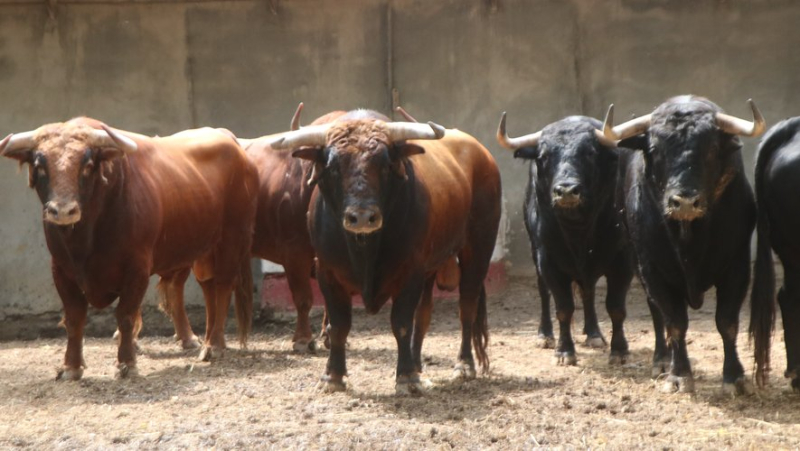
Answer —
(119, 207)
(395, 203)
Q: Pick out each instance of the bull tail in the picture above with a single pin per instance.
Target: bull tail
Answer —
(243, 304)
(480, 332)
(762, 298)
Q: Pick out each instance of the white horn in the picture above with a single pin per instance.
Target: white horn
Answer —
(17, 142)
(401, 131)
(737, 126)
(313, 135)
(110, 138)
(295, 124)
(515, 143)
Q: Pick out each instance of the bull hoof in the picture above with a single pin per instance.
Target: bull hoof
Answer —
(565, 358)
(305, 347)
(125, 371)
(329, 385)
(595, 342)
(545, 342)
(191, 343)
(69, 374)
(659, 368)
(796, 385)
(617, 358)
(742, 386)
(678, 384)
(411, 385)
(210, 353)
(464, 371)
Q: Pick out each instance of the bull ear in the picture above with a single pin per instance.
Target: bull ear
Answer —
(527, 153)
(638, 142)
(309, 153)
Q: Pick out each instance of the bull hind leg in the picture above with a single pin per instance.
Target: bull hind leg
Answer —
(545, 339)
(303, 298)
(75, 310)
(171, 293)
(618, 280)
(591, 327)
(474, 265)
(404, 307)
(422, 321)
(730, 297)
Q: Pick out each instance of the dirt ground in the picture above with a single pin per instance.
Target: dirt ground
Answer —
(265, 397)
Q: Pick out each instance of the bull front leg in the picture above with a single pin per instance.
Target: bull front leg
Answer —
(404, 307)
(560, 286)
(339, 311)
(75, 309)
(618, 279)
(128, 314)
(731, 292)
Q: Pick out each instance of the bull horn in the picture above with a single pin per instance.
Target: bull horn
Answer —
(110, 138)
(295, 124)
(515, 143)
(627, 129)
(608, 124)
(737, 126)
(405, 114)
(17, 142)
(313, 135)
(401, 131)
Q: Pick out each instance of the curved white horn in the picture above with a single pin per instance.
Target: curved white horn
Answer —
(401, 131)
(515, 143)
(111, 138)
(627, 129)
(18, 142)
(737, 126)
(313, 135)
(608, 124)
(295, 124)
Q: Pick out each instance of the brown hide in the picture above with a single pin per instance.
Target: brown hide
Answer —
(177, 200)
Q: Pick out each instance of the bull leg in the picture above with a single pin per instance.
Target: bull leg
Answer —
(546, 339)
(661, 354)
(75, 309)
(680, 375)
(171, 288)
(560, 285)
(422, 321)
(300, 285)
(204, 273)
(618, 280)
(474, 264)
(403, 308)
(591, 327)
(129, 315)
(789, 301)
(730, 297)
(339, 311)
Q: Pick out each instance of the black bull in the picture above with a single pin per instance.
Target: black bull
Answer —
(689, 212)
(777, 184)
(575, 231)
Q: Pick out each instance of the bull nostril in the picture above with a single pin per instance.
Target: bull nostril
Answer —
(352, 218)
(372, 218)
(674, 202)
(51, 210)
(696, 203)
(72, 211)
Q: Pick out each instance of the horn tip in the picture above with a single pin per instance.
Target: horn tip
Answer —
(438, 130)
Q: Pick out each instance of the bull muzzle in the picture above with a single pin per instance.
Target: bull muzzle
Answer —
(62, 213)
(566, 195)
(684, 206)
(362, 220)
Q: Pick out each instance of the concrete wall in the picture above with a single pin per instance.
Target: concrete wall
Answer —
(159, 67)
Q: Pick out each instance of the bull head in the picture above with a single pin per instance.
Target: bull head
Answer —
(62, 166)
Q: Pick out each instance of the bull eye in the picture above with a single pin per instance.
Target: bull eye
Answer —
(88, 169)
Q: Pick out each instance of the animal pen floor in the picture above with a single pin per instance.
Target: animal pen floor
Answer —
(265, 397)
